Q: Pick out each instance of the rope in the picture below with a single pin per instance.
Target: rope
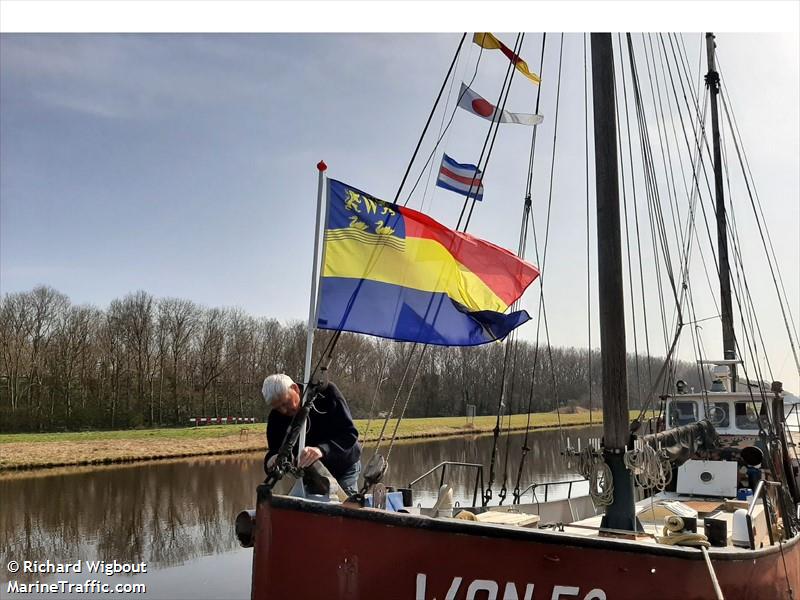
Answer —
(644, 142)
(651, 468)
(673, 534)
(375, 396)
(776, 277)
(714, 582)
(494, 124)
(442, 133)
(592, 467)
(405, 405)
(390, 412)
(528, 218)
(620, 149)
(512, 341)
(588, 233)
(428, 122)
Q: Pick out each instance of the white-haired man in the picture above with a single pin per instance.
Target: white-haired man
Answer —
(331, 435)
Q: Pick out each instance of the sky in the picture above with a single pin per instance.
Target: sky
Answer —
(183, 164)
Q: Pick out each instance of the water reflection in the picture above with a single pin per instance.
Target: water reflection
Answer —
(161, 513)
(169, 514)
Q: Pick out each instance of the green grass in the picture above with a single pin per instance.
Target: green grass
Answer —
(408, 428)
(207, 431)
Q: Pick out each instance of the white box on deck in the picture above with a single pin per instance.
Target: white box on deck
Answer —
(708, 478)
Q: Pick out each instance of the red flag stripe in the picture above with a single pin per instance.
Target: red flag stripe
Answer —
(514, 58)
(460, 178)
(492, 264)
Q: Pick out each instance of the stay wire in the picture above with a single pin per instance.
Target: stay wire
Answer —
(529, 181)
(430, 116)
(446, 129)
(736, 291)
(334, 340)
(542, 309)
(669, 177)
(655, 207)
(644, 144)
(503, 96)
(777, 278)
(620, 150)
(753, 192)
(750, 314)
(504, 92)
(693, 196)
(588, 231)
(546, 243)
(656, 224)
(405, 405)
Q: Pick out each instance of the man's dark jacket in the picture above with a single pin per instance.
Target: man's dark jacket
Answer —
(330, 428)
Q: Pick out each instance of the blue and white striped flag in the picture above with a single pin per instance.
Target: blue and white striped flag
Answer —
(462, 179)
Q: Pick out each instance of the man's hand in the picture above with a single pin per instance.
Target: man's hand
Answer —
(309, 456)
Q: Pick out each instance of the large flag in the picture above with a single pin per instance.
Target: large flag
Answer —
(474, 103)
(462, 179)
(393, 272)
(488, 41)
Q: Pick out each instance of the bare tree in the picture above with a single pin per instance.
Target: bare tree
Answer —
(16, 323)
(181, 319)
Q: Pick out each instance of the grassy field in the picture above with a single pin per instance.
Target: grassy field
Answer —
(38, 450)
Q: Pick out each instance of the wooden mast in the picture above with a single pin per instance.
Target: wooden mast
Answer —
(728, 335)
(620, 514)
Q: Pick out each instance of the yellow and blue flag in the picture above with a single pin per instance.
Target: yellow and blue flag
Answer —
(393, 272)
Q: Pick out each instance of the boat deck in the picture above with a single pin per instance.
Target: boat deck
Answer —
(651, 512)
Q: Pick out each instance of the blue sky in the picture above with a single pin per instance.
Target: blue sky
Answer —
(184, 164)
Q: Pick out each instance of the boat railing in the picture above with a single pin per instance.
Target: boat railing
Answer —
(759, 493)
(449, 463)
(546, 485)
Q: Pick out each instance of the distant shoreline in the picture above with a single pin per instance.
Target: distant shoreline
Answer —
(48, 450)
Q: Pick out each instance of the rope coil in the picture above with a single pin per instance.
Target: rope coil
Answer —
(593, 468)
(674, 534)
(650, 467)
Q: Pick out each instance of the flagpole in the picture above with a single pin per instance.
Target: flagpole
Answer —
(312, 308)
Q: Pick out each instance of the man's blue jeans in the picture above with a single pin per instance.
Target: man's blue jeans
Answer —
(348, 481)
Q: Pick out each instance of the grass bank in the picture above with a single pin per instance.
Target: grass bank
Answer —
(40, 450)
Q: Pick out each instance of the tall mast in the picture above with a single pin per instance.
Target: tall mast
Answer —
(312, 308)
(620, 514)
(728, 335)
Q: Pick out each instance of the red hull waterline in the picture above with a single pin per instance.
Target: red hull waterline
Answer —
(309, 550)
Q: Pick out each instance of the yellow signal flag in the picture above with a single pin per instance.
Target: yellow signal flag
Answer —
(489, 42)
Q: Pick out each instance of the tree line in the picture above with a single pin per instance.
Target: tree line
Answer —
(157, 362)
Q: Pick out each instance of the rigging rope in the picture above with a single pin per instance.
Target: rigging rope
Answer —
(542, 309)
(642, 138)
(430, 116)
(588, 233)
(777, 278)
(494, 124)
(625, 211)
(526, 220)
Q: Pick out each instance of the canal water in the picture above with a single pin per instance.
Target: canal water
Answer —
(177, 517)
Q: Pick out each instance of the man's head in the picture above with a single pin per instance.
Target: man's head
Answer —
(281, 394)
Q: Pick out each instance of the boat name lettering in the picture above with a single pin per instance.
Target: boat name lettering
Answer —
(510, 590)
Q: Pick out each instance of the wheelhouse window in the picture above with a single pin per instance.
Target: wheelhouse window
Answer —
(683, 412)
(719, 413)
(746, 415)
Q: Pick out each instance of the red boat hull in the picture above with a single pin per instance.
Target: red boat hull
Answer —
(313, 550)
